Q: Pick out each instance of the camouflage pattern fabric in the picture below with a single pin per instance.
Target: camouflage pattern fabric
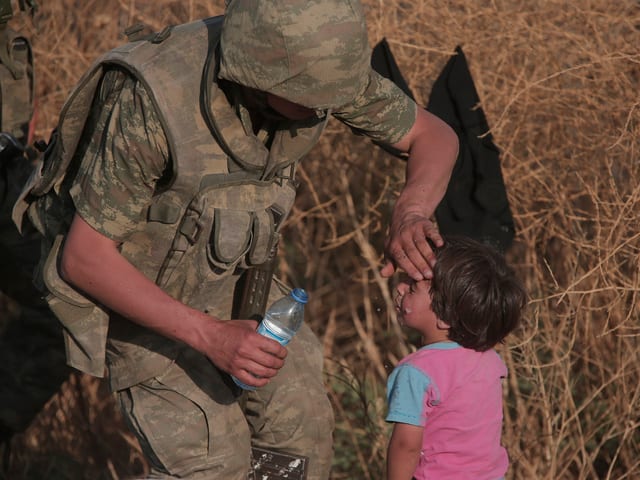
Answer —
(175, 244)
(195, 237)
(192, 424)
(119, 163)
(313, 53)
(133, 156)
(382, 112)
(316, 54)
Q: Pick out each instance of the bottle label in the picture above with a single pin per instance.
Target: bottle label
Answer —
(242, 385)
(269, 331)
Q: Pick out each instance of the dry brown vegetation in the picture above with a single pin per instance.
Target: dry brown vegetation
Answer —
(559, 83)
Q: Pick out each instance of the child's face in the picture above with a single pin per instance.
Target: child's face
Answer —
(413, 304)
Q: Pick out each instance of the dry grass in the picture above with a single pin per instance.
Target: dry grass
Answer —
(559, 84)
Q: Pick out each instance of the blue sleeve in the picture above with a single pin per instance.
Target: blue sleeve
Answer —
(406, 389)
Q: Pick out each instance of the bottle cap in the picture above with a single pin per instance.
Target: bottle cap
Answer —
(299, 295)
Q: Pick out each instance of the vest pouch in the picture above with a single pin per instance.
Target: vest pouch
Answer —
(266, 224)
(85, 324)
(224, 227)
(241, 236)
(230, 237)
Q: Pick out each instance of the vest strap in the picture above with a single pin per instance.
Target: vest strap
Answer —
(164, 213)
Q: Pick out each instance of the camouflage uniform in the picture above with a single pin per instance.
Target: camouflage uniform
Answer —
(32, 357)
(166, 162)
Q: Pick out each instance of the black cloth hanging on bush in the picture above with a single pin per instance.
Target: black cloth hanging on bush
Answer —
(475, 203)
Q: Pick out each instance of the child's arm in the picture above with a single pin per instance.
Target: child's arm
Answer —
(404, 451)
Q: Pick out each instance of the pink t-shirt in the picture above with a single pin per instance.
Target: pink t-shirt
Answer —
(456, 394)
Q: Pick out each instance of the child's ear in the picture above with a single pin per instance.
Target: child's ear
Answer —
(442, 325)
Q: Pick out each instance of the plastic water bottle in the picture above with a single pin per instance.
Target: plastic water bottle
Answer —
(281, 321)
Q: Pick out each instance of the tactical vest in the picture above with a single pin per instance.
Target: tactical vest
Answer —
(227, 196)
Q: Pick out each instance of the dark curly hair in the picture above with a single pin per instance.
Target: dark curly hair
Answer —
(476, 293)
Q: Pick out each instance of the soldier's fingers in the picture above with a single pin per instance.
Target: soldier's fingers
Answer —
(418, 260)
(403, 256)
(426, 251)
(248, 378)
(265, 365)
(388, 269)
(432, 233)
(273, 349)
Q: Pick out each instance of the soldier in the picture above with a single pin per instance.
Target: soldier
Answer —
(171, 172)
(32, 357)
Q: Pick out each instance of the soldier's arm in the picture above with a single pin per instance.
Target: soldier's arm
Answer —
(91, 262)
(124, 156)
(432, 147)
(388, 116)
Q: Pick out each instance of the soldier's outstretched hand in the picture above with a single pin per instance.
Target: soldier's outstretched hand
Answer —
(408, 246)
(432, 148)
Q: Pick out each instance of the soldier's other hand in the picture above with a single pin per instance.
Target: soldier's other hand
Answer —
(237, 349)
(408, 246)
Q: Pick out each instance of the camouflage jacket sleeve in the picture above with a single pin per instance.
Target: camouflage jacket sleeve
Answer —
(123, 153)
(382, 111)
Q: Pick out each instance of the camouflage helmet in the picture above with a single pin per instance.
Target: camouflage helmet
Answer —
(311, 52)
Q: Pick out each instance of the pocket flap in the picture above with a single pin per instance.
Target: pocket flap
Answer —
(85, 323)
(263, 237)
(231, 234)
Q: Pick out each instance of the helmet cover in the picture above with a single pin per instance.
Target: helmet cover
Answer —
(311, 52)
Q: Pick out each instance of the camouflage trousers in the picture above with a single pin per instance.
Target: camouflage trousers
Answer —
(192, 424)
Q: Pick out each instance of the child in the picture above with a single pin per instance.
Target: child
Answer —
(446, 399)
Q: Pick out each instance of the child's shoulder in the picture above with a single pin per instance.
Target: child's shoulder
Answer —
(453, 353)
(433, 350)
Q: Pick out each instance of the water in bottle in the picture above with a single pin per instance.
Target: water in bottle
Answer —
(282, 320)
